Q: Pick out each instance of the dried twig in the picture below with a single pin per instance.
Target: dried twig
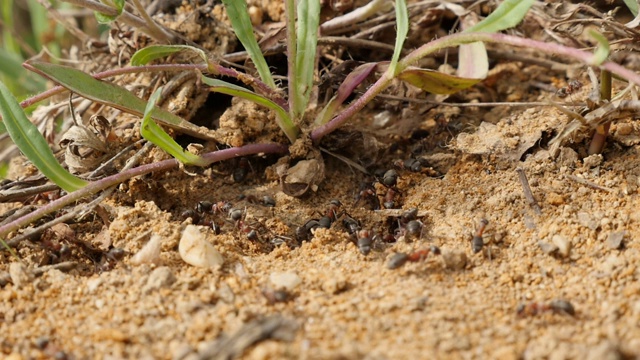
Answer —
(527, 191)
(589, 183)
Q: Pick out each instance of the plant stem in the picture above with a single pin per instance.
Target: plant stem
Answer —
(118, 178)
(152, 27)
(292, 50)
(600, 135)
(455, 40)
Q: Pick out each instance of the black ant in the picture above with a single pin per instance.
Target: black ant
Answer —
(477, 243)
(367, 194)
(399, 259)
(409, 226)
(238, 216)
(572, 87)
(303, 233)
(554, 306)
(241, 171)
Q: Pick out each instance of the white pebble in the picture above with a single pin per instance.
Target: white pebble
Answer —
(285, 280)
(614, 240)
(150, 252)
(564, 245)
(20, 275)
(195, 250)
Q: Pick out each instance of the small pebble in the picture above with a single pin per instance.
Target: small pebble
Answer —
(454, 260)
(624, 129)
(547, 248)
(564, 245)
(195, 250)
(159, 278)
(592, 161)
(555, 198)
(614, 240)
(285, 280)
(568, 157)
(150, 252)
(20, 275)
(334, 286)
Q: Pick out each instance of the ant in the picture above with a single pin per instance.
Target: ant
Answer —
(554, 306)
(303, 232)
(398, 260)
(364, 238)
(476, 242)
(415, 165)
(409, 226)
(238, 216)
(572, 87)
(367, 193)
(241, 171)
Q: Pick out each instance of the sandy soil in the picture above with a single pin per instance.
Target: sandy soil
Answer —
(322, 298)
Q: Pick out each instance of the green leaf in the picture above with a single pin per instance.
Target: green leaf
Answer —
(633, 6)
(32, 144)
(155, 134)
(602, 49)
(402, 24)
(241, 23)
(436, 82)
(118, 5)
(283, 118)
(507, 15)
(113, 95)
(152, 52)
(307, 42)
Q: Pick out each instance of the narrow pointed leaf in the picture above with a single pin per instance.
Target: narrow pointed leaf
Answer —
(153, 52)
(355, 78)
(113, 95)
(241, 23)
(32, 144)
(633, 6)
(507, 15)
(602, 49)
(284, 121)
(436, 82)
(155, 134)
(307, 42)
(402, 25)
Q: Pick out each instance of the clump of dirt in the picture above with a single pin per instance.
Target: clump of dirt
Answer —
(552, 274)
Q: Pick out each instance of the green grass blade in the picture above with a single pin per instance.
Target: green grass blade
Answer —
(402, 24)
(633, 6)
(602, 49)
(283, 118)
(241, 23)
(155, 134)
(16, 78)
(153, 52)
(32, 144)
(114, 96)
(507, 15)
(307, 43)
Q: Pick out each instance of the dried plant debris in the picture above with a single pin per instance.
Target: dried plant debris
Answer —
(273, 327)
